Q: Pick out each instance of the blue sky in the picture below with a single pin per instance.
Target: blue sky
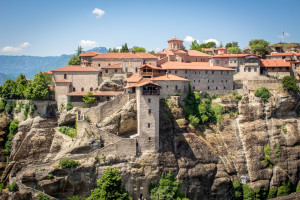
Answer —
(55, 27)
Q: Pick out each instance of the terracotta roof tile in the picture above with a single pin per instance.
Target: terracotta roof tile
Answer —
(281, 54)
(125, 55)
(274, 63)
(150, 66)
(89, 54)
(169, 52)
(175, 39)
(193, 66)
(233, 55)
(48, 72)
(75, 68)
(116, 66)
(198, 53)
(96, 93)
(221, 48)
(170, 77)
(134, 79)
(63, 81)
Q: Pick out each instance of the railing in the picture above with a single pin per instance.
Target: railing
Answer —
(152, 74)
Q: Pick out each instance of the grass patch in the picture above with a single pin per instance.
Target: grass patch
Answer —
(68, 163)
(69, 131)
(283, 128)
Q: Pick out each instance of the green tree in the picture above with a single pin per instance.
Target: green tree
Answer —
(115, 50)
(210, 45)
(238, 190)
(13, 129)
(231, 44)
(124, 48)
(79, 50)
(0, 90)
(248, 193)
(260, 47)
(167, 188)
(21, 85)
(263, 93)
(139, 49)
(89, 98)
(290, 84)
(183, 47)
(109, 187)
(9, 89)
(39, 88)
(232, 50)
(69, 106)
(74, 60)
(151, 52)
(285, 188)
(271, 193)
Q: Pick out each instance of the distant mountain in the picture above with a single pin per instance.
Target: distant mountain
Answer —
(12, 66)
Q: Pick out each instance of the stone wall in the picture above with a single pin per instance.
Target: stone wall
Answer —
(168, 88)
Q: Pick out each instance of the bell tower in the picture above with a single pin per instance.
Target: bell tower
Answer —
(175, 44)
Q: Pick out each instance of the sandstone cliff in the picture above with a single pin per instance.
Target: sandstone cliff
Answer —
(206, 161)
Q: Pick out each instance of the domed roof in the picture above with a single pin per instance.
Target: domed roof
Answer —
(175, 39)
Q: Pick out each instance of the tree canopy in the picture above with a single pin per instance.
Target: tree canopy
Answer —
(109, 187)
(74, 60)
(39, 88)
(79, 50)
(232, 50)
(200, 47)
(21, 82)
(151, 52)
(290, 84)
(139, 49)
(124, 48)
(9, 89)
(259, 46)
(89, 98)
(232, 44)
(167, 188)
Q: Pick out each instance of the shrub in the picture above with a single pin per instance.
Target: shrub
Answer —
(214, 96)
(9, 107)
(271, 193)
(278, 152)
(76, 198)
(87, 119)
(248, 193)
(290, 84)
(13, 187)
(263, 93)
(2, 105)
(218, 109)
(50, 176)
(69, 106)
(194, 121)
(238, 190)
(238, 97)
(89, 98)
(42, 196)
(13, 129)
(32, 108)
(27, 106)
(68, 163)
(69, 131)
(285, 188)
(267, 159)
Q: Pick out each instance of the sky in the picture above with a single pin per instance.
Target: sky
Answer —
(55, 27)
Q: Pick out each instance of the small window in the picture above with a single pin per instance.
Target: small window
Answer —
(224, 88)
(65, 76)
(249, 69)
(199, 72)
(149, 100)
(74, 89)
(148, 125)
(167, 86)
(216, 88)
(175, 71)
(116, 70)
(205, 71)
(193, 87)
(82, 89)
(98, 65)
(212, 72)
(255, 69)
(235, 60)
(91, 89)
(108, 64)
(226, 62)
(194, 81)
(245, 69)
(149, 111)
(195, 72)
(149, 138)
(230, 60)
(208, 81)
(107, 98)
(227, 72)
(217, 61)
(136, 69)
(106, 71)
(226, 81)
(176, 87)
(169, 71)
(208, 87)
(221, 72)
(186, 71)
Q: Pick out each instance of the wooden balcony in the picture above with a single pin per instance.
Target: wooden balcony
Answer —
(153, 74)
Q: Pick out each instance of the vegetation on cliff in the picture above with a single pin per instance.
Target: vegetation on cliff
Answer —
(68, 163)
(109, 187)
(290, 84)
(13, 129)
(89, 98)
(263, 93)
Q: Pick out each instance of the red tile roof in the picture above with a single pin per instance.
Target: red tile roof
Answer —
(175, 39)
(233, 55)
(207, 49)
(281, 54)
(63, 81)
(89, 54)
(169, 77)
(181, 51)
(116, 66)
(192, 66)
(169, 52)
(96, 93)
(274, 63)
(138, 83)
(150, 66)
(221, 48)
(134, 79)
(198, 53)
(75, 68)
(160, 52)
(125, 55)
(48, 72)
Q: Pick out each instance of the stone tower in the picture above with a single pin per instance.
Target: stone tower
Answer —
(148, 116)
(175, 44)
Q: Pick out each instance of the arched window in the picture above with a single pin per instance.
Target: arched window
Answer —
(108, 64)
(176, 87)
(91, 89)
(65, 76)
(82, 89)
(74, 89)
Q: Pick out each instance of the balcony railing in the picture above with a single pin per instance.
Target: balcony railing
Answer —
(152, 74)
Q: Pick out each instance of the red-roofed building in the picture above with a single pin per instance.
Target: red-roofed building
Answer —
(175, 52)
(276, 67)
(86, 58)
(288, 56)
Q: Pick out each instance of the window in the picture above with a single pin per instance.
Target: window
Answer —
(255, 69)
(175, 71)
(106, 71)
(217, 61)
(194, 81)
(149, 100)
(186, 71)
(169, 71)
(149, 138)
(208, 81)
(91, 89)
(245, 69)
(199, 72)
(221, 72)
(176, 87)
(208, 87)
(65, 76)
(226, 61)
(193, 87)
(212, 72)
(249, 69)
(235, 60)
(287, 68)
(149, 111)
(230, 60)
(238, 69)
(224, 88)
(226, 81)
(167, 86)
(98, 65)
(136, 69)
(205, 71)
(148, 125)
(82, 89)
(216, 88)
(116, 70)
(195, 72)
(241, 61)
(74, 89)
(227, 72)
(107, 98)
(108, 64)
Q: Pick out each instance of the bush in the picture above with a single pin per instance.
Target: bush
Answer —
(194, 121)
(263, 93)
(290, 84)
(278, 152)
(13, 187)
(69, 106)
(68, 163)
(285, 188)
(218, 109)
(2, 105)
(271, 193)
(32, 108)
(1, 187)
(69, 131)
(27, 106)
(238, 190)
(89, 98)
(42, 196)
(267, 159)
(13, 129)
(238, 97)
(214, 96)
(248, 193)
(9, 107)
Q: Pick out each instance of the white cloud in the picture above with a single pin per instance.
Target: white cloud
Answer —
(98, 12)
(284, 35)
(190, 39)
(119, 47)
(212, 40)
(88, 43)
(11, 49)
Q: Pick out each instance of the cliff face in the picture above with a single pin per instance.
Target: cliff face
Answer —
(206, 161)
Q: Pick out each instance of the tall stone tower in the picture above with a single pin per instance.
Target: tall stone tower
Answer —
(175, 44)
(148, 116)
